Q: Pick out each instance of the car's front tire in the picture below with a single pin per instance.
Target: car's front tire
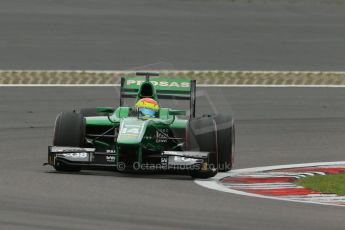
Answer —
(226, 141)
(69, 131)
(202, 136)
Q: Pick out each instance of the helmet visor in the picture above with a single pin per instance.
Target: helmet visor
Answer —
(147, 112)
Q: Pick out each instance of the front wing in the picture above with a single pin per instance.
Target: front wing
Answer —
(89, 158)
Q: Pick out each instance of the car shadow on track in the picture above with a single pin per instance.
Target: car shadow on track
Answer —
(136, 175)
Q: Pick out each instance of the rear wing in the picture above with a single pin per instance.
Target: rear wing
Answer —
(166, 88)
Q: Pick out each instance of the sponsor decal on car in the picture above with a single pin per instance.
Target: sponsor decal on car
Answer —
(179, 160)
(162, 135)
(75, 155)
(110, 159)
(111, 151)
(192, 154)
(130, 130)
(130, 82)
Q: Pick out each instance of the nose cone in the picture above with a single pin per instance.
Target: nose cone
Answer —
(132, 131)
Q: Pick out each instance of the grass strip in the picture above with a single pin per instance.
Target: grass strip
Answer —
(333, 183)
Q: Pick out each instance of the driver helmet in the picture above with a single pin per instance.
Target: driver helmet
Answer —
(147, 108)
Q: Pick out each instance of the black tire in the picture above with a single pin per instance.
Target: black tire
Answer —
(202, 136)
(90, 112)
(226, 141)
(69, 131)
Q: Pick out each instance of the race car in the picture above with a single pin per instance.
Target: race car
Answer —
(145, 136)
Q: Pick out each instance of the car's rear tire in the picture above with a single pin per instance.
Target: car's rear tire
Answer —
(226, 141)
(69, 131)
(202, 136)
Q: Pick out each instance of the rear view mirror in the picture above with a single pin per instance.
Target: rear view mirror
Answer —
(105, 110)
(177, 112)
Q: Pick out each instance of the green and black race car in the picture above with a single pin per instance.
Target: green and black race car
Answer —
(122, 139)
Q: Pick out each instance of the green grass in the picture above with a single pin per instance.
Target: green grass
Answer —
(334, 183)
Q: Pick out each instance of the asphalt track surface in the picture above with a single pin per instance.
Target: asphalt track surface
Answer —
(274, 126)
(180, 34)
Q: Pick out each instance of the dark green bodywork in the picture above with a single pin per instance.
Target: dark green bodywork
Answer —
(135, 139)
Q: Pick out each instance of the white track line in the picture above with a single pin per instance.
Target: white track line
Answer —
(261, 185)
(213, 183)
